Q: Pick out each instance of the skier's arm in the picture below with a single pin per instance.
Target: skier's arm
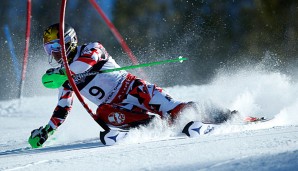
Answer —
(39, 136)
(91, 55)
(62, 109)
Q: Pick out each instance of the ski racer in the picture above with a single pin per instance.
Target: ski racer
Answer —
(124, 101)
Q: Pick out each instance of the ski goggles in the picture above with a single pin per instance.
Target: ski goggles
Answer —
(52, 46)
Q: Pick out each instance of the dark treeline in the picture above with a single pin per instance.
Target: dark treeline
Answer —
(210, 33)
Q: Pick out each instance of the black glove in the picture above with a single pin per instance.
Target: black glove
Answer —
(39, 136)
(58, 70)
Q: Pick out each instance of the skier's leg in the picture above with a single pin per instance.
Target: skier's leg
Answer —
(215, 114)
(155, 100)
(178, 110)
(117, 116)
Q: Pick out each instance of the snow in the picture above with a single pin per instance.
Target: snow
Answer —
(271, 145)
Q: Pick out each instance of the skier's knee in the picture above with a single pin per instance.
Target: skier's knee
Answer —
(120, 117)
(178, 110)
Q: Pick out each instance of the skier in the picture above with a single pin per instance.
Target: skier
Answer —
(124, 101)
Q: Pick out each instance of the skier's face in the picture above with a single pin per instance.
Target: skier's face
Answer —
(54, 52)
(52, 46)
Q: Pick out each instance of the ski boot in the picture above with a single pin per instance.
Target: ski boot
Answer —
(196, 128)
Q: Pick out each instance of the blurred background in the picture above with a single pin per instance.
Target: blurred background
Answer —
(212, 34)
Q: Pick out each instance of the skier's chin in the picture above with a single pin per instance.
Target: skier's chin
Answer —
(57, 56)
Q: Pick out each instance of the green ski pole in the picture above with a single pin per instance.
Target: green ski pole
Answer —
(56, 80)
(179, 59)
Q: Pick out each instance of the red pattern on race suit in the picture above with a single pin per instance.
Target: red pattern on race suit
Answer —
(87, 60)
(133, 106)
(63, 107)
(119, 117)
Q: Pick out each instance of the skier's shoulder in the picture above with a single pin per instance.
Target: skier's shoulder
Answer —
(91, 46)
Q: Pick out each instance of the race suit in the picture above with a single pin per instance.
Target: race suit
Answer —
(123, 100)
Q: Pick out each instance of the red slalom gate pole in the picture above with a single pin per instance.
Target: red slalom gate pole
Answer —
(68, 72)
(117, 35)
(27, 39)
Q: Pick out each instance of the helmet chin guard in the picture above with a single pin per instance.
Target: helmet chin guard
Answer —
(53, 62)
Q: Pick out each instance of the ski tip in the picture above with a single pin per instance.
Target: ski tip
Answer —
(254, 119)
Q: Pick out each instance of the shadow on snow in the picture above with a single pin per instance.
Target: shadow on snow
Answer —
(86, 144)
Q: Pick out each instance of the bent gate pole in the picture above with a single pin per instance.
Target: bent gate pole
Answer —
(68, 72)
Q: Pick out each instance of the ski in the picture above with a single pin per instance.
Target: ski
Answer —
(251, 119)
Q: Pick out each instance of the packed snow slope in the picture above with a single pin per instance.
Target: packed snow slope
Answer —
(271, 145)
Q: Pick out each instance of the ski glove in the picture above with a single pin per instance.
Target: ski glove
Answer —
(54, 77)
(39, 136)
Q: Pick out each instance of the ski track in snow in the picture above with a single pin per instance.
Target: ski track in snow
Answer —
(271, 145)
